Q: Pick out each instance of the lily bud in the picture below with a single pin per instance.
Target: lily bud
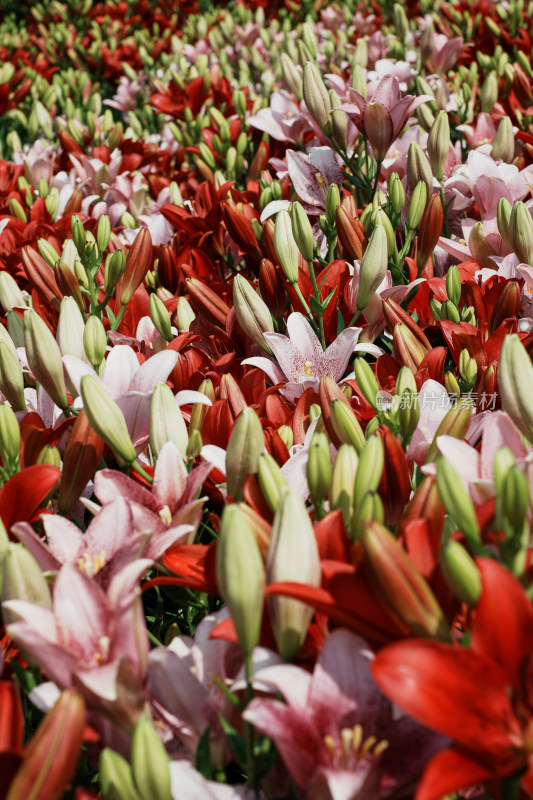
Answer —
(429, 231)
(160, 317)
(339, 122)
(286, 435)
(166, 421)
(10, 294)
(408, 413)
(408, 349)
(48, 252)
(244, 447)
(514, 498)
(404, 590)
(481, 248)
(116, 777)
(456, 423)
(503, 145)
(44, 357)
(199, 410)
(439, 144)
(379, 217)
(341, 493)
(371, 462)
(11, 378)
(516, 384)
(94, 341)
(507, 305)
(184, 314)
(79, 235)
(22, 579)
(271, 479)
(292, 556)
(138, 263)
(332, 202)
(373, 267)
(396, 193)
(290, 76)
(503, 217)
(149, 762)
(106, 418)
(9, 435)
(350, 232)
(521, 232)
(68, 283)
(52, 755)
(319, 467)
(286, 247)
(115, 266)
(456, 499)
(417, 206)
(346, 425)
(453, 285)
(467, 367)
(316, 98)
(366, 380)
(405, 381)
(241, 576)
(460, 573)
(253, 314)
(418, 168)
(489, 92)
(103, 233)
(70, 328)
(369, 509)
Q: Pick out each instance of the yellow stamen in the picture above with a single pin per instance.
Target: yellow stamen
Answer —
(165, 515)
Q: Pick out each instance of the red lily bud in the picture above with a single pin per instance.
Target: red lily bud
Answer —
(168, 272)
(12, 719)
(507, 304)
(68, 284)
(81, 459)
(395, 485)
(487, 397)
(73, 205)
(138, 262)
(350, 232)
(230, 390)
(205, 301)
(429, 231)
(327, 393)
(271, 288)
(41, 275)
(268, 237)
(408, 349)
(394, 313)
(240, 229)
(400, 585)
(53, 753)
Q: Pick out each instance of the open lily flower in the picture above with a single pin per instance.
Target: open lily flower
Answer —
(301, 359)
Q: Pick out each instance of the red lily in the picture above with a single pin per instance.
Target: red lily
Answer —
(22, 495)
(439, 685)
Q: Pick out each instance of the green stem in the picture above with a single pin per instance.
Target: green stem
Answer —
(355, 317)
(141, 471)
(376, 178)
(510, 788)
(445, 213)
(118, 318)
(319, 316)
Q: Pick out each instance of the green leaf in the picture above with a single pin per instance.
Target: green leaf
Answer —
(236, 741)
(341, 325)
(203, 755)
(110, 316)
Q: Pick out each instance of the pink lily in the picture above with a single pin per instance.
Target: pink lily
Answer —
(382, 118)
(301, 359)
(283, 119)
(338, 736)
(131, 384)
(168, 513)
(93, 639)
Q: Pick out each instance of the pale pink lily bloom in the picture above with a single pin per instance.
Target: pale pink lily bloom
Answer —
(481, 132)
(476, 468)
(382, 118)
(184, 684)
(131, 384)
(445, 53)
(301, 361)
(434, 403)
(312, 174)
(92, 639)
(283, 119)
(322, 730)
(166, 514)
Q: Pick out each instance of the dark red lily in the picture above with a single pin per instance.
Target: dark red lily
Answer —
(482, 697)
(23, 494)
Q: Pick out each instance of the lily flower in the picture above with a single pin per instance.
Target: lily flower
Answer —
(383, 117)
(301, 359)
(338, 736)
(439, 685)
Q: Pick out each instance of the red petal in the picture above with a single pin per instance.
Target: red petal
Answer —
(11, 718)
(503, 625)
(439, 685)
(454, 769)
(22, 495)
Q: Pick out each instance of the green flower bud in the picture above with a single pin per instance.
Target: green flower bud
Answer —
(94, 341)
(341, 493)
(245, 444)
(149, 762)
(449, 310)
(452, 385)
(285, 246)
(16, 210)
(10, 294)
(503, 145)
(368, 509)
(489, 92)
(184, 314)
(79, 235)
(44, 357)
(286, 435)
(408, 413)
(514, 498)
(453, 285)
(106, 418)
(160, 317)
(521, 233)
(504, 461)
(290, 76)
(439, 144)
(319, 467)
(103, 233)
(48, 252)
(405, 381)
(22, 579)
(366, 380)
(456, 500)
(116, 777)
(302, 231)
(417, 206)
(241, 576)
(460, 572)
(369, 471)
(503, 216)
(271, 480)
(49, 455)
(373, 267)
(396, 193)
(292, 556)
(11, 378)
(339, 121)
(418, 168)
(253, 314)
(9, 435)
(316, 98)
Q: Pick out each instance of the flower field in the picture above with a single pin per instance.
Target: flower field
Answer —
(266, 384)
